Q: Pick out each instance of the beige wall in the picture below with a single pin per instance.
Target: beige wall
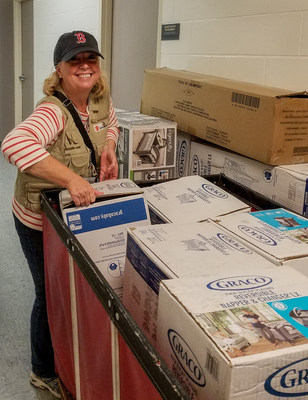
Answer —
(263, 42)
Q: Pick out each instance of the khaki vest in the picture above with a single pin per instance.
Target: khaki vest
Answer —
(69, 149)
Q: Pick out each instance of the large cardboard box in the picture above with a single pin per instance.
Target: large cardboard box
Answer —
(170, 250)
(190, 199)
(236, 337)
(101, 228)
(146, 148)
(285, 184)
(279, 235)
(267, 124)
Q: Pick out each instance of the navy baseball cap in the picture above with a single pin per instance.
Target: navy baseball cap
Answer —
(71, 43)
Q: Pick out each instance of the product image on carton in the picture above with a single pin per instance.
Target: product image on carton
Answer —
(208, 159)
(101, 227)
(236, 336)
(149, 148)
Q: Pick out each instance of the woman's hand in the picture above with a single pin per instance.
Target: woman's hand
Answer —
(52, 170)
(109, 163)
(81, 191)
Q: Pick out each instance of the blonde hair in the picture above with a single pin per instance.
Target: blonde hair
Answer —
(53, 83)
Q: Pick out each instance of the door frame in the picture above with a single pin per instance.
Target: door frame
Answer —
(17, 60)
(106, 36)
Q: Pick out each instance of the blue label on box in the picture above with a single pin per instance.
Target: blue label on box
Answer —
(281, 219)
(294, 311)
(106, 215)
(145, 267)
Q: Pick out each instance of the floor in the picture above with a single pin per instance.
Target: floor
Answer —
(16, 298)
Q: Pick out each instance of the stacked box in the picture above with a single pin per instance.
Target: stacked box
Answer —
(267, 124)
(279, 235)
(101, 227)
(170, 250)
(190, 199)
(234, 336)
(285, 184)
(146, 148)
(291, 187)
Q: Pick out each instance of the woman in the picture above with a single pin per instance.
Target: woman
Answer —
(49, 151)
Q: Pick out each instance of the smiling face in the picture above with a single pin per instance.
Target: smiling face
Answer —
(79, 74)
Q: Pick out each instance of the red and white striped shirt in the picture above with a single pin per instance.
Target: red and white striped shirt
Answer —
(28, 142)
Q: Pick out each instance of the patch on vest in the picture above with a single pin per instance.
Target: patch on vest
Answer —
(99, 126)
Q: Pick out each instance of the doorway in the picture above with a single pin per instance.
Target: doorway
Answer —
(24, 59)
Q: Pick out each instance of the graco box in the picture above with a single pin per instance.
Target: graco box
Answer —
(285, 184)
(170, 250)
(146, 148)
(190, 199)
(234, 336)
(279, 235)
(208, 159)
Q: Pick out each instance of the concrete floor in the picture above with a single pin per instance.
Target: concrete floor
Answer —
(16, 298)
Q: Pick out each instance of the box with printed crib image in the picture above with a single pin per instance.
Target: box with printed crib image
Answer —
(236, 336)
(279, 235)
(146, 148)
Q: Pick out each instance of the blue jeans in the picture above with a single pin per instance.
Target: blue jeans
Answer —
(42, 356)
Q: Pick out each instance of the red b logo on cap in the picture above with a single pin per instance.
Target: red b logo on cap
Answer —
(80, 37)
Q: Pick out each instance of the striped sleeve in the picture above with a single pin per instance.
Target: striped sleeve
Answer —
(26, 144)
(113, 131)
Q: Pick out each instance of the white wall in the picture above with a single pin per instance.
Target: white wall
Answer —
(258, 41)
(51, 19)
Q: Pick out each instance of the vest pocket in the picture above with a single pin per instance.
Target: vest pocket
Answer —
(80, 164)
(33, 192)
(77, 160)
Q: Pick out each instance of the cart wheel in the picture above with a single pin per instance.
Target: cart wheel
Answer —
(64, 392)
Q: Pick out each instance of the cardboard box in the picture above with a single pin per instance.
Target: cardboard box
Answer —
(190, 199)
(279, 235)
(101, 228)
(208, 159)
(146, 148)
(267, 124)
(236, 337)
(291, 187)
(285, 184)
(182, 153)
(168, 251)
